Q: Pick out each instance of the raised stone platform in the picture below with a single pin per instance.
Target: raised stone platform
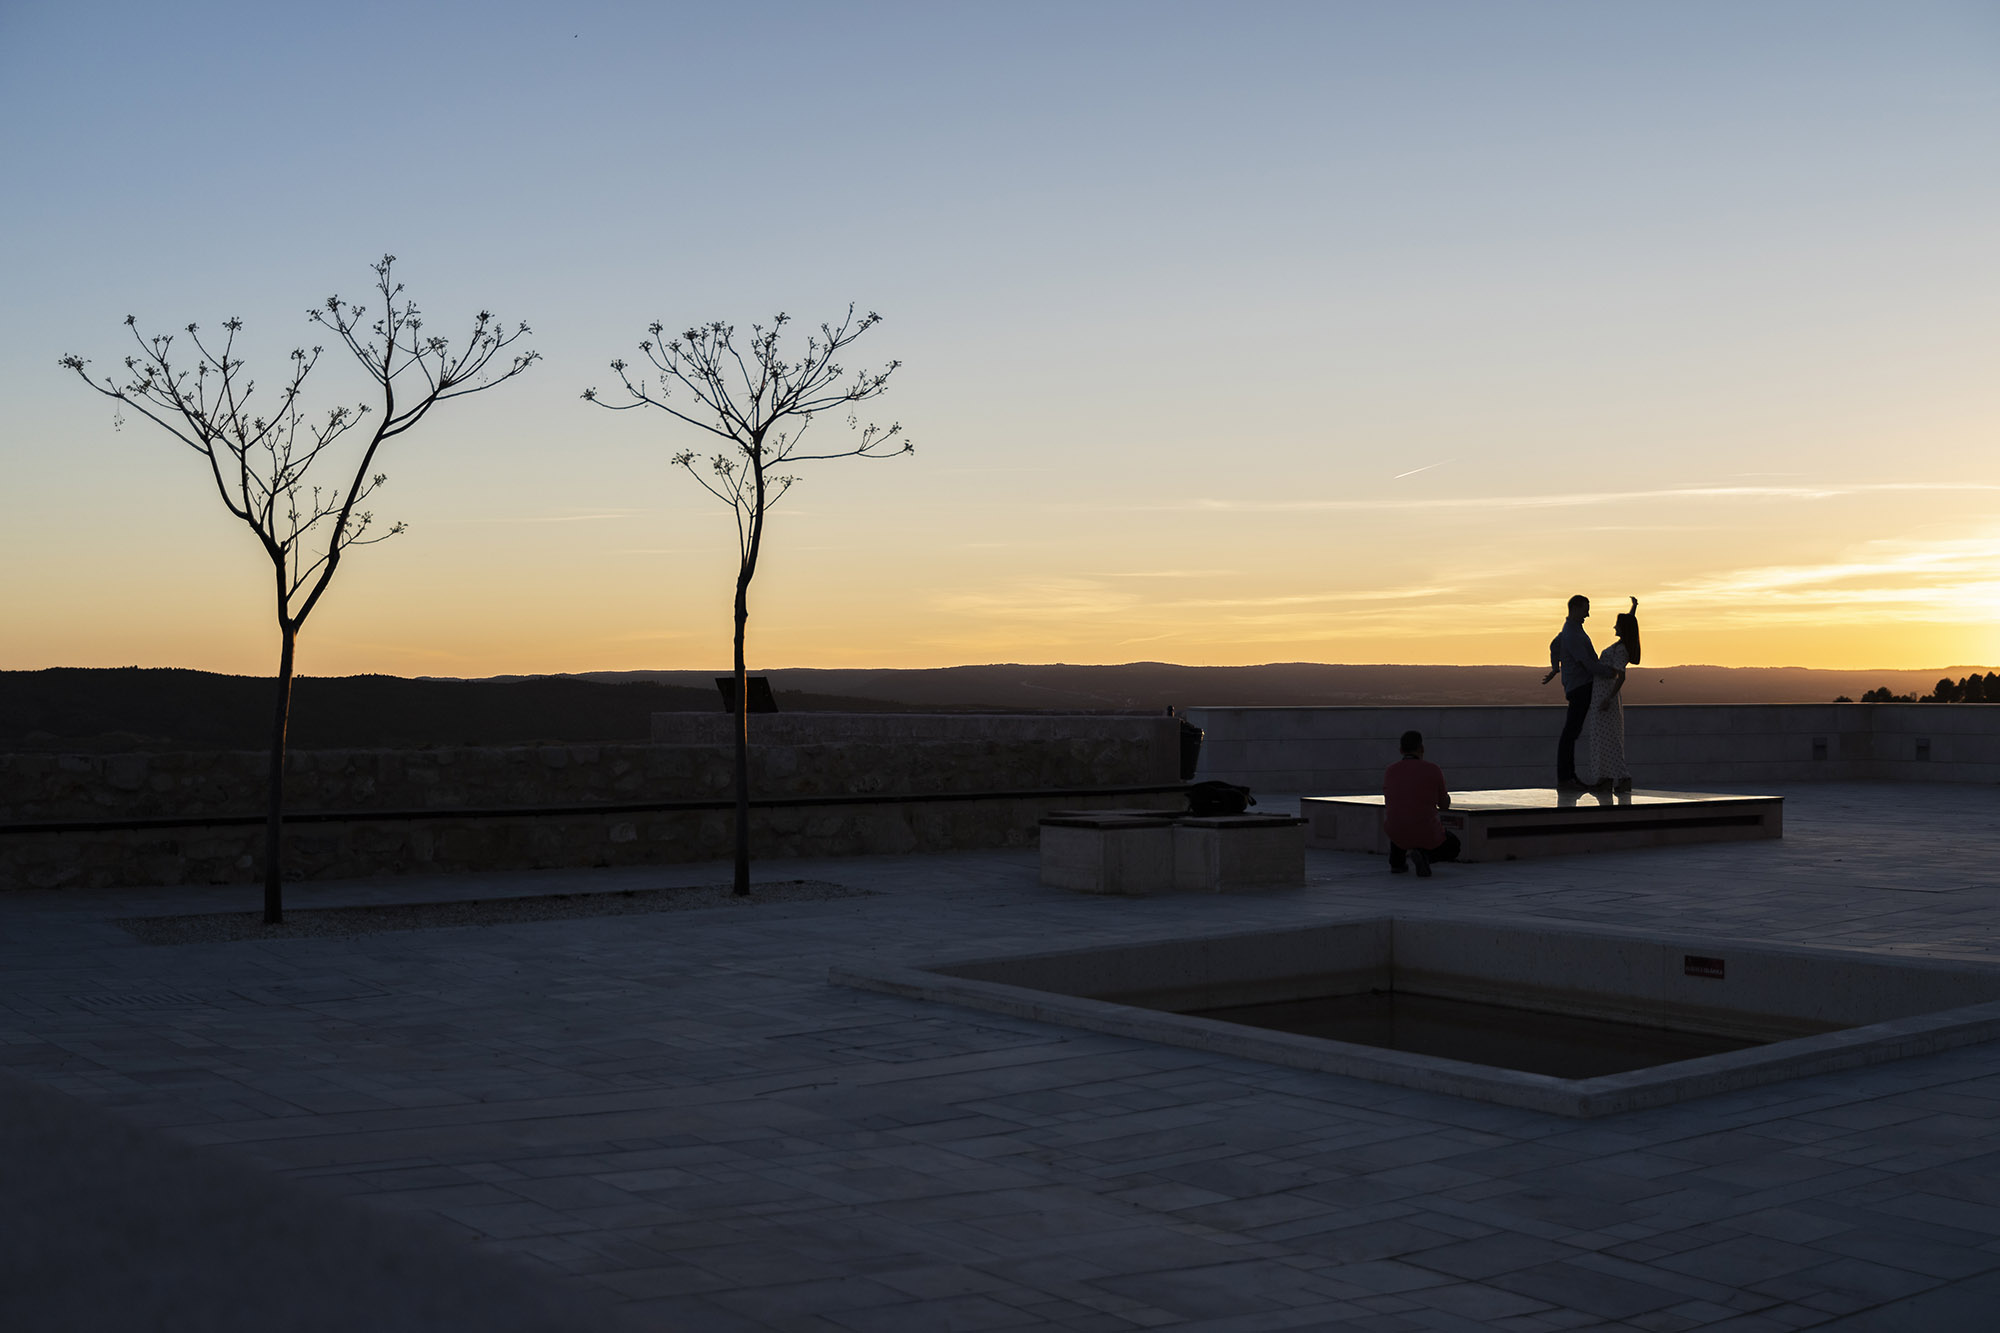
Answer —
(1513, 823)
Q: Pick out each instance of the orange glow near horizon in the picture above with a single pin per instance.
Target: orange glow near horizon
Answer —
(476, 599)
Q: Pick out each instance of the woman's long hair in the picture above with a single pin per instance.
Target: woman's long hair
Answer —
(1627, 626)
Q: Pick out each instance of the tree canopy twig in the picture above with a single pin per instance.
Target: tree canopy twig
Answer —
(759, 403)
(260, 459)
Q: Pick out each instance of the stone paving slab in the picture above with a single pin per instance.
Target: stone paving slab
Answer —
(678, 1113)
(104, 1225)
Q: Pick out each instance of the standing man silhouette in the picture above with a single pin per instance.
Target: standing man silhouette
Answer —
(1572, 654)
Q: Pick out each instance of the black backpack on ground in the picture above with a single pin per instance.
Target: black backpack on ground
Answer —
(1218, 798)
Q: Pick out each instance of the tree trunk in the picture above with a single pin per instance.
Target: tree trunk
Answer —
(274, 812)
(741, 888)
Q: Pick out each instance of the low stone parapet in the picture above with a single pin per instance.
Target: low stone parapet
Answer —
(1335, 750)
(342, 845)
(822, 785)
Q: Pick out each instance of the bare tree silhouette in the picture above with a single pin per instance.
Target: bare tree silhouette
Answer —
(759, 404)
(260, 460)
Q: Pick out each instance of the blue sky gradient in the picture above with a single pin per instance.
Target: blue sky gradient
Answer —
(1232, 333)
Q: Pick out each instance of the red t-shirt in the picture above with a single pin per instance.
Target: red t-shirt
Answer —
(1413, 792)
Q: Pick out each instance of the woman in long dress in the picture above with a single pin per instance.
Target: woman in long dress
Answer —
(1600, 751)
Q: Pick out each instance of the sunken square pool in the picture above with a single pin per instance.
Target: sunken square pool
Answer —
(1573, 1020)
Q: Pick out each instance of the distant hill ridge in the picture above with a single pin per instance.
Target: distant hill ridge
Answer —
(134, 708)
(1147, 685)
(170, 708)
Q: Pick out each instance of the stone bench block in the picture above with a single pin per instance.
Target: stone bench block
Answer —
(1237, 853)
(1134, 853)
(1119, 852)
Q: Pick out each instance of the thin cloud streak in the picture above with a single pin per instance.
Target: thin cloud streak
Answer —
(1313, 599)
(1572, 500)
(1953, 578)
(604, 516)
(1056, 600)
(1884, 582)
(1163, 574)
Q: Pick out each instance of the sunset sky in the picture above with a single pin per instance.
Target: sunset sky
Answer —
(1232, 333)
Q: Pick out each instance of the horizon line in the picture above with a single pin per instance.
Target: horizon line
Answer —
(1025, 666)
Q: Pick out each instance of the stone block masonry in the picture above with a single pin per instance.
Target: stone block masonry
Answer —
(834, 784)
(1728, 747)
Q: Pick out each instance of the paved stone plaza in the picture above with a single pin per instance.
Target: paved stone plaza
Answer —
(678, 1111)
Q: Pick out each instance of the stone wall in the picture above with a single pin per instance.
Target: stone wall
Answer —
(954, 751)
(1716, 747)
(835, 755)
(360, 812)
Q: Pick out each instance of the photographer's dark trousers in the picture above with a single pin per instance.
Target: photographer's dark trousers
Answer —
(1579, 710)
(1399, 857)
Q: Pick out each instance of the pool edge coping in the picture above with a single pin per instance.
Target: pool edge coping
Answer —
(1610, 1094)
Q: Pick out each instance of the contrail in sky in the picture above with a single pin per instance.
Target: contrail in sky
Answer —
(1415, 470)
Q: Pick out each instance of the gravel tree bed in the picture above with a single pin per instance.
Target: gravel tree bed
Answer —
(311, 922)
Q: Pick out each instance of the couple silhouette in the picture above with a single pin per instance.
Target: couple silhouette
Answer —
(1591, 752)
